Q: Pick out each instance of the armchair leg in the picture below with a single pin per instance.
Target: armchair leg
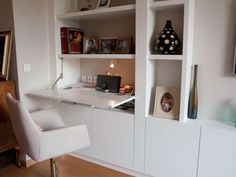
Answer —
(53, 166)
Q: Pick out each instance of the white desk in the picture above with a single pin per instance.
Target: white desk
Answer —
(86, 96)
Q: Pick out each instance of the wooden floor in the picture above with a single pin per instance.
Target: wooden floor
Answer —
(68, 167)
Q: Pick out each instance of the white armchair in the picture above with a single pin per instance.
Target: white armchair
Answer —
(43, 135)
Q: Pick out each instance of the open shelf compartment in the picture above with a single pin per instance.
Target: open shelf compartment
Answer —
(99, 13)
(162, 73)
(161, 11)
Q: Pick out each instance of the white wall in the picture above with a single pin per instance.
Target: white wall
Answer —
(214, 40)
(31, 31)
(7, 24)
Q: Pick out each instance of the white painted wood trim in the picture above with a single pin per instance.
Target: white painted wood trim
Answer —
(97, 56)
(157, 5)
(166, 57)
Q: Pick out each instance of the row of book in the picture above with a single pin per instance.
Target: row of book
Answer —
(74, 42)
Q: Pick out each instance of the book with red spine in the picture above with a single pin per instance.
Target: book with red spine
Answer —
(64, 40)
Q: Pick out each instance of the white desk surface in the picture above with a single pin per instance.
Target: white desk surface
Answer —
(86, 96)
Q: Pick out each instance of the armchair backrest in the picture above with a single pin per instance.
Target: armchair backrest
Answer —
(26, 131)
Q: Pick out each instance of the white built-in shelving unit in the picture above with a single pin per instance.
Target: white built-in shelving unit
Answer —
(143, 20)
(175, 68)
(116, 21)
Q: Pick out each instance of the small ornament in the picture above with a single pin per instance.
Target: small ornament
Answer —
(167, 42)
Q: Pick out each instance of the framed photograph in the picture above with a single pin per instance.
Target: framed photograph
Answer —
(123, 45)
(5, 53)
(103, 3)
(107, 45)
(75, 40)
(166, 102)
(90, 45)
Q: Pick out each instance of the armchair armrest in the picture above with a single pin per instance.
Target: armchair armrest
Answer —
(63, 140)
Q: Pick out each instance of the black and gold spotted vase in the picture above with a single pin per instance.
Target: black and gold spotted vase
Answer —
(167, 42)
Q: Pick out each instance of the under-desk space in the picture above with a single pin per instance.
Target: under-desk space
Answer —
(86, 96)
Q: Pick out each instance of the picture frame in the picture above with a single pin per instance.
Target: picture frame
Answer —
(107, 45)
(5, 53)
(90, 45)
(166, 102)
(124, 45)
(103, 3)
(75, 40)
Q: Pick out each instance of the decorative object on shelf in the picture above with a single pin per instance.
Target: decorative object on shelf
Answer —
(193, 98)
(103, 3)
(71, 40)
(90, 45)
(167, 42)
(124, 45)
(89, 6)
(166, 102)
(5, 53)
(107, 45)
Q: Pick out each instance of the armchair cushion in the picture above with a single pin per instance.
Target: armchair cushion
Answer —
(47, 119)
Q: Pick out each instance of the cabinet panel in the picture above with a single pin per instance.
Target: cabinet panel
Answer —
(171, 148)
(76, 115)
(8, 139)
(217, 153)
(114, 137)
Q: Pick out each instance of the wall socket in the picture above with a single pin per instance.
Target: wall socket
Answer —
(27, 68)
(90, 79)
(83, 79)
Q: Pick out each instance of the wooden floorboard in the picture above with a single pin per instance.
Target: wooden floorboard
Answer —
(68, 167)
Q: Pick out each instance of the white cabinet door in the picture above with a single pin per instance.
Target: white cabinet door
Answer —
(114, 137)
(76, 115)
(171, 148)
(217, 153)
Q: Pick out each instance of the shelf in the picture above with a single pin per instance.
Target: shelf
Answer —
(97, 56)
(166, 57)
(161, 5)
(99, 13)
(162, 118)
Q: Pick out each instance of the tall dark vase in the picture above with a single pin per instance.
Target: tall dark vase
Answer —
(167, 42)
(193, 99)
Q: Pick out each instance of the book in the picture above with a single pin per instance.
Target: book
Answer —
(71, 40)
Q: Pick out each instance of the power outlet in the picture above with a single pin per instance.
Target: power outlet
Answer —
(90, 79)
(95, 79)
(83, 79)
(27, 68)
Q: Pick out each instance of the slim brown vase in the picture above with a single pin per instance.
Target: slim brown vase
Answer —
(193, 98)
